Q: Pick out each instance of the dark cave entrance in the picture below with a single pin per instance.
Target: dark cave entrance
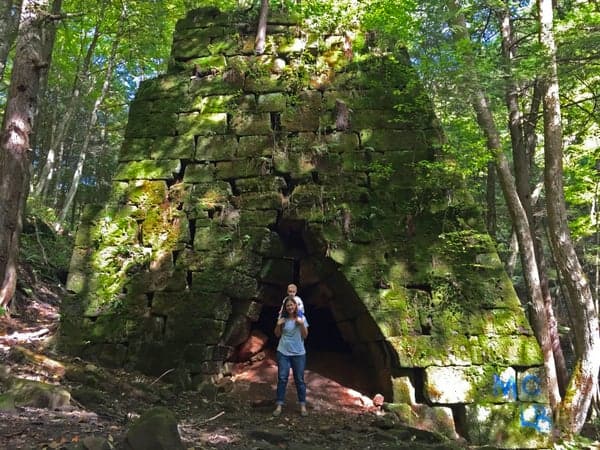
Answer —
(338, 347)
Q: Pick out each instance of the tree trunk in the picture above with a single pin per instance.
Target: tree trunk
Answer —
(49, 169)
(89, 127)
(10, 12)
(490, 200)
(584, 379)
(14, 141)
(521, 162)
(518, 215)
(261, 30)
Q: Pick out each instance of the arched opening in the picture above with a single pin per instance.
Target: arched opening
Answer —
(338, 344)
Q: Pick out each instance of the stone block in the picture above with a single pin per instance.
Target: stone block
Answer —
(135, 149)
(264, 184)
(257, 218)
(403, 391)
(224, 84)
(437, 419)
(252, 146)
(166, 86)
(243, 168)
(215, 148)
(259, 200)
(275, 102)
(168, 147)
(510, 425)
(341, 142)
(199, 173)
(148, 170)
(202, 124)
(459, 384)
(532, 385)
(425, 351)
(520, 350)
(250, 124)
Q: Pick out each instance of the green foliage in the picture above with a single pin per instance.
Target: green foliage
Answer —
(48, 252)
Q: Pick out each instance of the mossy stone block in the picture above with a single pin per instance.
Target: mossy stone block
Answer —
(149, 125)
(510, 425)
(264, 184)
(519, 350)
(148, 170)
(179, 147)
(259, 218)
(251, 146)
(135, 149)
(216, 148)
(397, 314)
(394, 140)
(299, 165)
(243, 168)
(275, 102)
(342, 142)
(262, 84)
(437, 419)
(191, 46)
(259, 200)
(199, 173)
(202, 124)
(219, 84)
(162, 87)
(249, 124)
(425, 351)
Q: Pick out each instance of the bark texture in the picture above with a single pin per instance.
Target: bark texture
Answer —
(261, 31)
(518, 214)
(10, 13)
(522, 167)
(584, 379)
(15, 135)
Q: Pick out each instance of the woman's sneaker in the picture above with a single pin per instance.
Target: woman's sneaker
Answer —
(277, 411)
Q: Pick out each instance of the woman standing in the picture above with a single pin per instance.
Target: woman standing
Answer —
(292, 329)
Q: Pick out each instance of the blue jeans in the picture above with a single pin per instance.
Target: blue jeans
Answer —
(297, 364)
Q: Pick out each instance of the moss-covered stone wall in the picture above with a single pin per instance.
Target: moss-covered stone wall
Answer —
(241, 173)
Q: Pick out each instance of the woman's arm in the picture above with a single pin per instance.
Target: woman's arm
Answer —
(278, 327)
(303, 328)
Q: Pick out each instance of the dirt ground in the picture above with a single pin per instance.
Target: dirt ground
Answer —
(235, 414)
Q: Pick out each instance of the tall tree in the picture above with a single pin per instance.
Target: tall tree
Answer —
(584, 379)
(485, 119)
(261, 30)
(522, 159)
(15, 135)
(91, 122)
(10, 11)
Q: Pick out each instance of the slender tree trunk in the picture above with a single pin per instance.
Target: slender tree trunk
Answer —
(490, 197)
(261, 31)
(14, 141)
(89, 127)
(10, 13)
(48, 38)
(521, 162)
(518, 214)
(584, 379)
(45, 177)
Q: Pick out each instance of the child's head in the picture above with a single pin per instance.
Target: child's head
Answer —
(292, 289)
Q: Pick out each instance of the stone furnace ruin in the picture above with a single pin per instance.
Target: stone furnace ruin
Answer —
(310, 164)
